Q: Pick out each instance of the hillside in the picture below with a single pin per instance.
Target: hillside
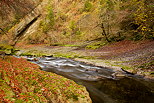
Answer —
(111, 20)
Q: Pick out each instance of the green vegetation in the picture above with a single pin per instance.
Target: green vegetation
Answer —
(33, 53)
(143, 18)
(8, 49)
(148, 65)
(5, 47)
(70, 45)
(95, 45)
(71, 55)
(119, 64)
(72, 25)
(48, 23)
(74, 29)
(87, 6)
(22, 81)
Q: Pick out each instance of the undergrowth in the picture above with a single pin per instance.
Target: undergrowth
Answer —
(23, 82)
(95, 45)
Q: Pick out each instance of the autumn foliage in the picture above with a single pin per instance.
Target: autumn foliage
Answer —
(22, 81)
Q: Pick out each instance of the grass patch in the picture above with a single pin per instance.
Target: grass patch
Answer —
(70, 45)
(8, 49)
(118, 63)
(65, 55)
(95, 45)
(147, 65)
(72, 55)
(33, 53)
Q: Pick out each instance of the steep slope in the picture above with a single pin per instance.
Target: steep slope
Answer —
(23, 82)
(67, 21)
(11, 11)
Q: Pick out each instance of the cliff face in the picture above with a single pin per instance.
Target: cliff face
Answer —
(66, 21)
(11, 11)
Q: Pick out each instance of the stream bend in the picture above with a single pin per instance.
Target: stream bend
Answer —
(103, 84)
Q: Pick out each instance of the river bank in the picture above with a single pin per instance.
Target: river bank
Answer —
(22, 81)
(134, 57)
(103, 84)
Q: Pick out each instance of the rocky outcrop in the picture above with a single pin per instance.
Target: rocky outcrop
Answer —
(22, 28)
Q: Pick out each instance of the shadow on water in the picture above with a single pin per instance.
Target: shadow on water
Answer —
(125, 90)
(102, 83)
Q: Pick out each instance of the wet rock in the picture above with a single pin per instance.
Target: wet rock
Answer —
(118, 75)
(35, 59)
(94, 70)
(127, 71)
(49, 56)
(94, 78)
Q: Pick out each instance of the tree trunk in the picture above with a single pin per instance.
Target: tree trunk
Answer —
(104, 33)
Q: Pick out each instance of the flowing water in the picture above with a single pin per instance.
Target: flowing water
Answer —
(103, 84)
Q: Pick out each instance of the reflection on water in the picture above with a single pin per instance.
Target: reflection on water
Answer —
(102, 84)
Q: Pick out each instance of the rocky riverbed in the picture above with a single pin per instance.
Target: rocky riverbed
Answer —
(134, 57)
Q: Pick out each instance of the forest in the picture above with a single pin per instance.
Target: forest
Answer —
(58, 51)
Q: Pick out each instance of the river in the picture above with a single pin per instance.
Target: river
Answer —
(103, 84)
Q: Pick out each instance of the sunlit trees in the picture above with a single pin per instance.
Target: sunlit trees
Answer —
(143, 17)
(127, 18)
